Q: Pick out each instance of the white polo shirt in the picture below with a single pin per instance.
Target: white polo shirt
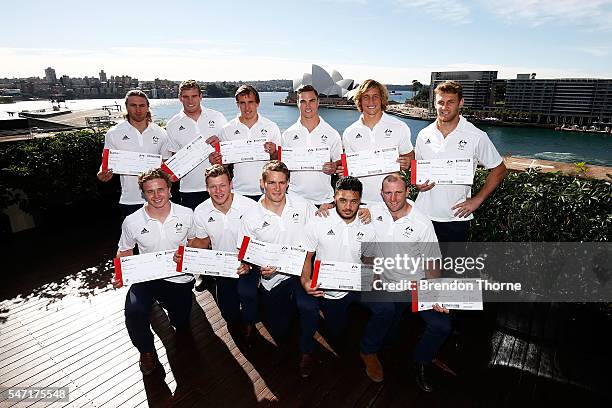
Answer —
(124, 136)
(464, 142)
(151, 235)
(288, 229)
(182, 130)
(314, 186)
(223, 229)
(334, 240)
(388, 132)
(415, 237)
(247, 174)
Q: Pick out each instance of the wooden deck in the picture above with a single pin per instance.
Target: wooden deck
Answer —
(61, 324)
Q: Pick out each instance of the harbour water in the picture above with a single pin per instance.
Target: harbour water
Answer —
(542, 144)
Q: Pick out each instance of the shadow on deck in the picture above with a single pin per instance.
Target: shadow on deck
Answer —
(62, 324)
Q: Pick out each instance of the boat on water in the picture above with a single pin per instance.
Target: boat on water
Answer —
(584, 129)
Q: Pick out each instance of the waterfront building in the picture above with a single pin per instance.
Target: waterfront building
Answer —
(331, 85)
(102, 76)
(50, 76)
(580, 101)
(477, 86)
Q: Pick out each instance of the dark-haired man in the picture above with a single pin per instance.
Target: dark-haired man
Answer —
(192, 121)
(157, 226)
(249, 124)
(312, 131)
(341, 237)
(136, 134)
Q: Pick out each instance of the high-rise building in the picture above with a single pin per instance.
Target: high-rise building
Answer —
(477, 86)
(102, 76)
(50, 75)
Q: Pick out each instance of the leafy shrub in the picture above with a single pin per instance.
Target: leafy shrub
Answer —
(52, 171)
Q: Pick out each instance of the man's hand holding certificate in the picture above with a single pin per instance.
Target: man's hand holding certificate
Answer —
(144, 267)
(338, 276)
(286, 258)
(243, 150)
(208, 262)
(186, 159)
(459, 294)
(371, 162)
(442, 171)
(129, 163)
(304, 158)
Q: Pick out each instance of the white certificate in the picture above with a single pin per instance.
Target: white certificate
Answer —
(459, 294)
(442, 171)
(187, 158)
(243, 150)
(339, 276)
(286, 258)
(371, 162)
(145, 267)
(208, 262)
(304, 158)
(130, 163)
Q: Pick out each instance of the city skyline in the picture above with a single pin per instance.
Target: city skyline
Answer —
(394, 41)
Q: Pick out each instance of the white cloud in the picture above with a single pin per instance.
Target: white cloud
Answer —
(453, 11)
(591, 14)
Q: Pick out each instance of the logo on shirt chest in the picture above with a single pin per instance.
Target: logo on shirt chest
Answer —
(295, 137)
(388, 132)
(359, 236)
(181, 127)
(144, 231)
(428, 141)
(265, 224)
(331, 232)
(211, 123)
(358, 136)
(125, 137)
(323, 139)
(461, 145)
(155, 139)
(379, 218)
(236, 132)
(408, 231)
(211, 219)
(178, 227)
(264, 132)
(296, 218)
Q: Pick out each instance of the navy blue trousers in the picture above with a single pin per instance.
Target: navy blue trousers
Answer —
(279, 304)
(232, 293)
(336, 318)
(174, 297)
(438, 327)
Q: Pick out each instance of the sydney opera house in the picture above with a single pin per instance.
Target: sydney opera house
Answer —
(333, 89)
(327, 85)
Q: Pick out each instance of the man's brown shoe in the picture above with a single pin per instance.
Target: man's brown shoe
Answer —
(374, 369)
(306, 365)
(147, 363)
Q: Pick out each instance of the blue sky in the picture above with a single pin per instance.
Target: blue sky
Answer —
(394, 41)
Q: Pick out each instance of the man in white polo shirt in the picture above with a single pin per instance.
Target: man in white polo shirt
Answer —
(450, 207)
(217, 224)
(341, 237)
(158, 225)
(192, 121)
(312, 131)
(249, 125)
(401, 229)
(277, 218)
(136, 134)
(375, 129)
